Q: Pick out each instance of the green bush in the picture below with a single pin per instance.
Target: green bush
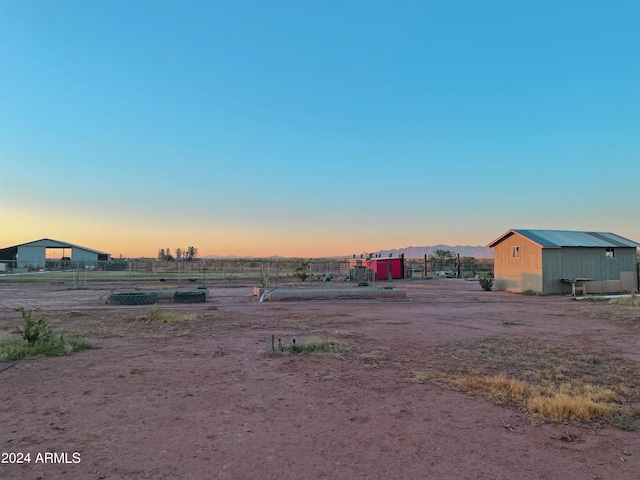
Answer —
(39, 340)
(301, 272)
(314, 346)
(50, 346)
(265, 281)
(486, 283)
(34, 328)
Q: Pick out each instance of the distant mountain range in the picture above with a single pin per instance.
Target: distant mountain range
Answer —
(419, 252)
(409, 252)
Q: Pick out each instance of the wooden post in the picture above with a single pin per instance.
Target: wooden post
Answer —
(425, 266)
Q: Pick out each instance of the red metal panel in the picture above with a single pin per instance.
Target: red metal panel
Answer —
(382, 266)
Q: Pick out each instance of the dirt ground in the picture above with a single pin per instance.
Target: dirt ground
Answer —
(200, 400)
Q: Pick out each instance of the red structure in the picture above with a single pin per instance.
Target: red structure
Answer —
(384, 268)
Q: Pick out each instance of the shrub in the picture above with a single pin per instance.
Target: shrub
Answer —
(52, 345)
(34, 328)
(301, 272)
(313, 346)
(39, 340)
(265, 281)
(486, 283)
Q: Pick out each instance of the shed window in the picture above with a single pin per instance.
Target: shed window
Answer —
(609, 253)
(516, 252)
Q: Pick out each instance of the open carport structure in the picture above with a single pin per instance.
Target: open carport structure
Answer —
(39, 253)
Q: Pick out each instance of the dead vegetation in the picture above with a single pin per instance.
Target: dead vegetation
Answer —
(160, 315)
(552, 382)
(631, 301)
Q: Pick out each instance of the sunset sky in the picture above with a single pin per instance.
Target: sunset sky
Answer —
(316, 128)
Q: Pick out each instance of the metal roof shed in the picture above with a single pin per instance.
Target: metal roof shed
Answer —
(539, 260)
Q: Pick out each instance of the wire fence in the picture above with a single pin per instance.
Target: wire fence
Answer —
(257, 271)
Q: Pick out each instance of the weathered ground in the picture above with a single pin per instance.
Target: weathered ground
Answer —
(201, 400)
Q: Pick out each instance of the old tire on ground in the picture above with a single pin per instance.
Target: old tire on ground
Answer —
(132, 298)
(189, 297)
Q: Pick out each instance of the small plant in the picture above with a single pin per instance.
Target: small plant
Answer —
(274, 352)
(533, 293)
(39, 340)
(621, 419)
(34, 328)
(363, 284)
(301, 272)
(232, 273)
(265, 281)
(314, 346)
(486, 283)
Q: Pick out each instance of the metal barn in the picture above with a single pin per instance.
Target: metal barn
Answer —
(556, 261)
(34, 254)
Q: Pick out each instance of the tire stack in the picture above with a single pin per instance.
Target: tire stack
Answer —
(132, 298)
(190, 297)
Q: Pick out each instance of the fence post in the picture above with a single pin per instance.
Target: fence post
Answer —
(204, 273)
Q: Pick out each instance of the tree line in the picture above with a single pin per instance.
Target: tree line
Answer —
(188, 254)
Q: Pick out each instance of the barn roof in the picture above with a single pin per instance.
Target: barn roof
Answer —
(568, 238)
(49, 243)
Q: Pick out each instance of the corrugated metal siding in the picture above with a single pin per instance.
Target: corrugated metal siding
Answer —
(31, 257)
(592, 263)
(552, 272)
(81, 255)
(566, 238)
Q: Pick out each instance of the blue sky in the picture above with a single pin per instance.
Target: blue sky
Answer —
(316, 128)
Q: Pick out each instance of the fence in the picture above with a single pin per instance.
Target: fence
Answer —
(467, 267)
(226, 270)
(197, 271)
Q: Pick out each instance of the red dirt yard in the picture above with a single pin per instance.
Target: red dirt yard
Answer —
(202, 399)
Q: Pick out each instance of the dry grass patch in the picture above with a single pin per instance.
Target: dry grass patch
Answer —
(552, 382)
(620, 311)
(277, 346)
(160, 315)
(632, 301)
(376, 357)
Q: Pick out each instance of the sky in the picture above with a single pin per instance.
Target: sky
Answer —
(311, 129)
